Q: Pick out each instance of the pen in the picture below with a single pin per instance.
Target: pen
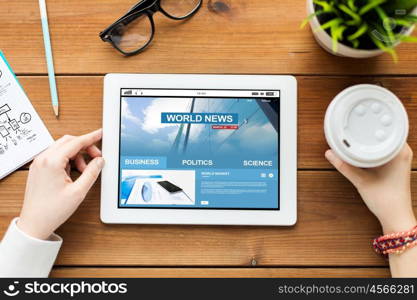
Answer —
(49, 58)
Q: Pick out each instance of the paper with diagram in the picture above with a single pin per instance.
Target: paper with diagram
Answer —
(23, 135)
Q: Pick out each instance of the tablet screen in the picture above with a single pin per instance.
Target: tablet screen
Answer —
(205, 149)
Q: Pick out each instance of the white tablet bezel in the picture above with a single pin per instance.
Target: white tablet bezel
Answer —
(286, 215)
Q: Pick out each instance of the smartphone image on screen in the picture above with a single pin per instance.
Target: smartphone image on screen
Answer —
(172, 188)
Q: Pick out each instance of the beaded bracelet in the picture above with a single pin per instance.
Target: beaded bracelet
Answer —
(395, 243)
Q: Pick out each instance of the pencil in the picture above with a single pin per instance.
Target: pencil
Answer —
(49, 57)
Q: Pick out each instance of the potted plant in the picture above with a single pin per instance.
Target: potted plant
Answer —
(362, 28)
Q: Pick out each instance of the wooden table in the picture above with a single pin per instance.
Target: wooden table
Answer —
(332, 236)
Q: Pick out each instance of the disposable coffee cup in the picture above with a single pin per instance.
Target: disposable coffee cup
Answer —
(366, 125)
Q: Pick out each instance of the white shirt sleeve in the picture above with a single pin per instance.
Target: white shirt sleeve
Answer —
(24, 256)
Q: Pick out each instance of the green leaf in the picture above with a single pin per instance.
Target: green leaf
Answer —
(352, 5)
(382, 46)
(361, 31)
(356, 18)
(338, 31)
(411, 18)
(403, 22)
(311, 16)
(371, 5)
(327, 7)
(407, 39)
(355, 43)
(387, 27)
(334, 40)
(329, 24)
(337, 35)
(379, 32)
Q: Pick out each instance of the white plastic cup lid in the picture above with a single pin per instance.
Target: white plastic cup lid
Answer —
(366, 125)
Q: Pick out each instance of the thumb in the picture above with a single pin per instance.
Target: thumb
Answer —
(90, 175)
(353, 174)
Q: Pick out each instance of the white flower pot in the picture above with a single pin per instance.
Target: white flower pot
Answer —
(324, 39)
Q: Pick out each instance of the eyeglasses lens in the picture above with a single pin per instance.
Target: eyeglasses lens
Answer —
(179, 8)
(132, 35)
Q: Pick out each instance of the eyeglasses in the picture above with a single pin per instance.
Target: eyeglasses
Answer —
(134, 31)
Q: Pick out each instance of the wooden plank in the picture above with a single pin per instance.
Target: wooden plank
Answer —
(60, 272)
(81, 108)
(334, 229)
(226, 36)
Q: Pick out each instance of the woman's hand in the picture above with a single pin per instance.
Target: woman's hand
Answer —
(51, 195)
(385, 190)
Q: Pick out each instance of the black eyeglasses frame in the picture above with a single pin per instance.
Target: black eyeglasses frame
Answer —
(143, 7)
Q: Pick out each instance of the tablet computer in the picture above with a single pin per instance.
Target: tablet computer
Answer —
(199, 149)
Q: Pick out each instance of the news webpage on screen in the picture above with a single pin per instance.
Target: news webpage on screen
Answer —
(211, 149)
